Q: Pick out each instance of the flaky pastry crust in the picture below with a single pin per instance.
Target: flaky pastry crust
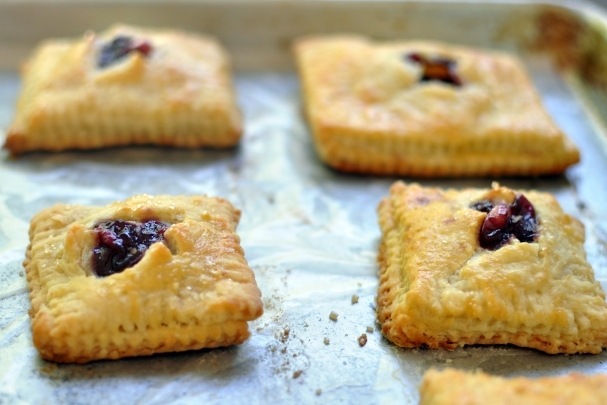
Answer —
(370, 111)
(439, 289)
(456, 387)
(193, 291)
(180, 95)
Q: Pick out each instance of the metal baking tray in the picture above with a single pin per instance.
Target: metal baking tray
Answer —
(309, 233)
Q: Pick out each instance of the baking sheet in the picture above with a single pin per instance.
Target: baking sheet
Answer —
(310, 234)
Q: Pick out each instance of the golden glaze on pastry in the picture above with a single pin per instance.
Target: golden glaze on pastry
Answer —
(455, 387)
(370, 112)
(179, 95)
(439, 289)
(194, 291)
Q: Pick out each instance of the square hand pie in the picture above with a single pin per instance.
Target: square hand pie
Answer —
(426, 109)
(141, 276)
(493, 266)
(455, 387)
(126, 86)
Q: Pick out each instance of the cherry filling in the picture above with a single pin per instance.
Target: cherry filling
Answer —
(120, 47)
(438, 68)
(523, 220)
(505, 221)
(121, 244)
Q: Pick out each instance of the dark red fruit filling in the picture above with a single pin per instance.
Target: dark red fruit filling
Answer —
(505, 221)
(495, 231)
(441, 69)
(482, 206)
(121, 244)
(119, 47)
(523, 220)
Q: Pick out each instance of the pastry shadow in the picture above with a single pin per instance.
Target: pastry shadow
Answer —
(328, 174)
(502, 360)
(97, 176)
(127, 156)
(215, 364)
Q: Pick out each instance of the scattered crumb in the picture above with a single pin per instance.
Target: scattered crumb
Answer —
(355, 299)
(370, 329)
(333, 316)
(297, 373)
(21, 274)
(326, 341)
(362, 339)
(318, 392)
(284, 336)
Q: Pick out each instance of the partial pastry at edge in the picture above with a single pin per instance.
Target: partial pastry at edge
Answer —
(455, 387)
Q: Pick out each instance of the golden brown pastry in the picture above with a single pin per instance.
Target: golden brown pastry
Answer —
(425, 109)
(477, 266)
(126, 86)
(137, 277)
(455, 387)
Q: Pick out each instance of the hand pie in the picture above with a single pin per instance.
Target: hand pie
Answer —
(493, 266)
(126, 86)
(137, 277)
(455, 387)
(425, 109)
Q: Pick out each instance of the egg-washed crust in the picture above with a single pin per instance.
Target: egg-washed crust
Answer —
(180, 95)
(455, 387)
(369, 112)
(439, 289)
(194, 291)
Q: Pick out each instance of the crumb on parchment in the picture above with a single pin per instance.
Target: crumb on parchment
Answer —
(362, 339)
